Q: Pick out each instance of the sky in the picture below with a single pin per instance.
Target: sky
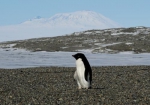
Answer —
(128, 13)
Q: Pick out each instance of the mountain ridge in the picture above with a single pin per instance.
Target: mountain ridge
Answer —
(114, 40)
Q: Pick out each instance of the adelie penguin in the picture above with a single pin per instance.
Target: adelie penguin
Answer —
(83, 73)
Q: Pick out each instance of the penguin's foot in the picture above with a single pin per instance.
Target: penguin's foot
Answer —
(79, 87)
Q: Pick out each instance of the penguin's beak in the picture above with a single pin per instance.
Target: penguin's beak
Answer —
(73, 55)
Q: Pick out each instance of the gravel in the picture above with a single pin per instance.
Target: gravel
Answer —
(115, 85)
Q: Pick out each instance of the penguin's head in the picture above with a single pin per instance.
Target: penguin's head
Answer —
(79, 55)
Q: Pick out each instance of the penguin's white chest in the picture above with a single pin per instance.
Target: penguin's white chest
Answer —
(79, 74)
(80, 68)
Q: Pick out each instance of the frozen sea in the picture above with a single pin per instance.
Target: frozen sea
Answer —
(23, 59)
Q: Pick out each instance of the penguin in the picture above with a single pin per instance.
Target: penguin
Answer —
(83, 73)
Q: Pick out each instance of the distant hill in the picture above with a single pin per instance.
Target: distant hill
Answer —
(113, 40)
(59, 24)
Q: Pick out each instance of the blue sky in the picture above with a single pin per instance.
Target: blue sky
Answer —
(127, 13)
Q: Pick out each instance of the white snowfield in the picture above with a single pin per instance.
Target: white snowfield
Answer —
(17, 58)
(59, 24)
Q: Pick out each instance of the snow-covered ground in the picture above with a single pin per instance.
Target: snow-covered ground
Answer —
(22, 59)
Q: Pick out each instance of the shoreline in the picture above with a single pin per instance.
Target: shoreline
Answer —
(55, 85)
(42, 67)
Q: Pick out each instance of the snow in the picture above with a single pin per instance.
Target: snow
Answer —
(59, 24)
(88, 32)
(110, 44)
(125, 33)
(127, 52)
(22, 59)
(7, 46)
(129, 43)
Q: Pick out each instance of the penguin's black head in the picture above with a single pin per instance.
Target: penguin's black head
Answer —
(79, 55)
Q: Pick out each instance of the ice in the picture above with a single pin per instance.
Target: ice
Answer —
(22, 59)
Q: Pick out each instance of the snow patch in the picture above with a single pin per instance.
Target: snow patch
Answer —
(126, 52)
(129, 43)
(125, 33)
(104, 45)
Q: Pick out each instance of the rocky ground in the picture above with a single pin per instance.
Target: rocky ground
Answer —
(135, 39)
(112, 85)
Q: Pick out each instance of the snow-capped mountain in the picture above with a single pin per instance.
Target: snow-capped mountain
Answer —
(59, 24)
(81, 19)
